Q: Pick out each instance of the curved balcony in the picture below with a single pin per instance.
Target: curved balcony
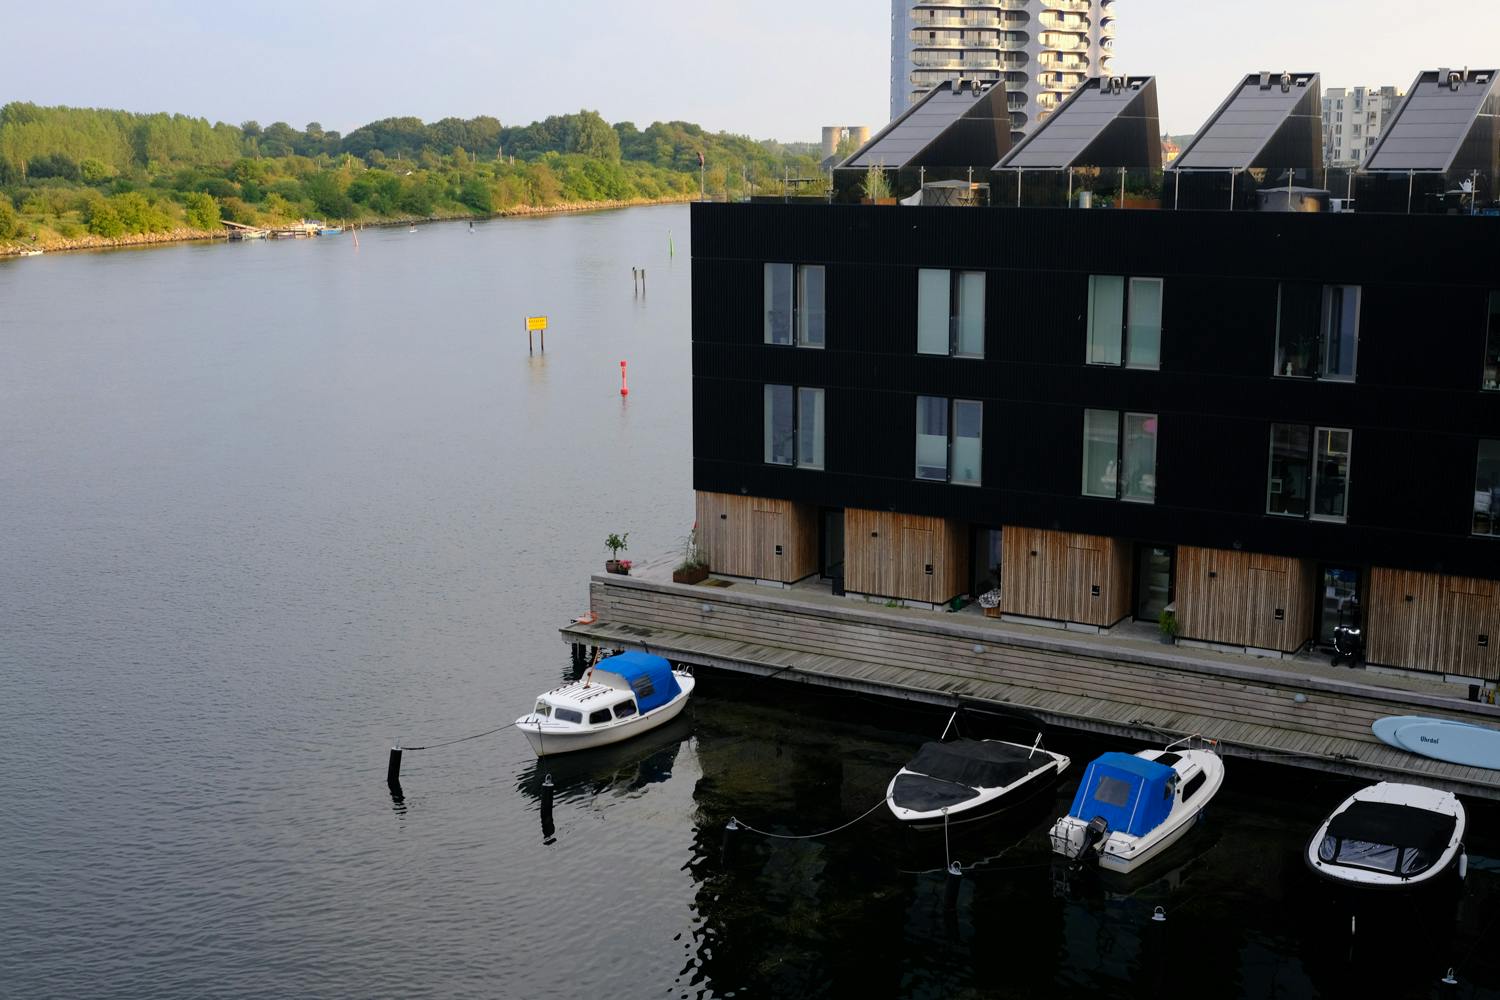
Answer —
(969, 5)
(1064, 43)
(1063, 61)
(1008, 42)
(1052, 21)
(1078, 6)
(946, 20)
(936, 60)
(1047, 102)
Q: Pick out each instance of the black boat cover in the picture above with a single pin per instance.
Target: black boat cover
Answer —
(923, 794)
(977, 763)
(1387, 837)
(1394, 824)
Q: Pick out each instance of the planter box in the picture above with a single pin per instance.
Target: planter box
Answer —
(992, 612)
(695, 575)
(613, 566)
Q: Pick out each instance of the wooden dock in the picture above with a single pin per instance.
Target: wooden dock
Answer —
(1298, 712)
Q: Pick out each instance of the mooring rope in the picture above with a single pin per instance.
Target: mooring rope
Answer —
(461, 739)
(737, 823)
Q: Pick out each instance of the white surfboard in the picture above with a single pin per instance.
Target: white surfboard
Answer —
(1442, 739)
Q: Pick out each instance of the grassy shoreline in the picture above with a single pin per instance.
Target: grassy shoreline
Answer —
(184, 234)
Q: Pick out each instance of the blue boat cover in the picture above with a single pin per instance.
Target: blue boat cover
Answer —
(650, 677)
(1133, 794)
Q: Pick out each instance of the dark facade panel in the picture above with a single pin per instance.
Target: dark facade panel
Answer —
(1416, 409)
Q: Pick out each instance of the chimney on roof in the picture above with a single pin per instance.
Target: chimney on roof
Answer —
(1265, 79)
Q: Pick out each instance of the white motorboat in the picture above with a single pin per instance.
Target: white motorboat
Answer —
(1391, 836)
(617, 698)
(966, 780)
(1130, 809)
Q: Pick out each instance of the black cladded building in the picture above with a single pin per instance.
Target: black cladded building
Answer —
(1270, 421)
(1257, 416)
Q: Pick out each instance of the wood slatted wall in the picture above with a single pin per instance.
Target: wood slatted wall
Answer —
(1234, 597)
(1438, 629)
(740, 536)
(887, 555)
(1052, 574)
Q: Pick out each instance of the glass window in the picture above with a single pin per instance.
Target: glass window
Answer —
(1143, 335)
(1101, 447)
(567, 715)
(810, 313)
(1112, 791)
(624, 709)
(933, 300)
(1492, 345)
(968, 429)
(969, 294)
(932, 438)
(1487, 489)
(778, 293)
(810, 428)
(1140, 457)
(1286, 492)
(1340, 331)
(542, 708)
(780, 423)
(1331, 473)
(600, 717)
(1106, 309)
(1297, 320)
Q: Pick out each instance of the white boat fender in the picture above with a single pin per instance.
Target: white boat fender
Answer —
(1463, 863)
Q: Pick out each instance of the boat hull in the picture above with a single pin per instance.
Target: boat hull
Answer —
(989, 804)
(550, 742)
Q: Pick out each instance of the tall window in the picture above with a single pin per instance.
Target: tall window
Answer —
(1124, 321)
(794, 304)
(1309, 471)
(1487, 490)
(950, 312)
(794, 426)
(950, 438)
(1119, 455)
(1317, 331)
(1492, 345)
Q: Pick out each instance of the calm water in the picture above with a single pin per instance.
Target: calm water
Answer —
(266, 508)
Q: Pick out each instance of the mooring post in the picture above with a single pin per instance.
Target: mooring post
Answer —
(643, 281)
(393, 769)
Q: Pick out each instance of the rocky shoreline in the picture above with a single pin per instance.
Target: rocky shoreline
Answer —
(186, 235)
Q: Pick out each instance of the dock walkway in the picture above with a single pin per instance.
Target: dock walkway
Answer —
(1291, 711)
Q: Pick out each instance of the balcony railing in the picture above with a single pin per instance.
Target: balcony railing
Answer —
(968, 4)
(1080, 6)
(978, 41)
(953, 21)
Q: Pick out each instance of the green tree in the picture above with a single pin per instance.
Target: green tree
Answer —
(476, 194)
(103, 219)
(201, 209)
(10, 223)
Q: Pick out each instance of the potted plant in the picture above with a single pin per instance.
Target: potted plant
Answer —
(1167, 624)
(694, 565)
(615, 543)
(990, 602)
(875, 188)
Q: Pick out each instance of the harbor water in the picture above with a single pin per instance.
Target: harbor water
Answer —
(268, 508)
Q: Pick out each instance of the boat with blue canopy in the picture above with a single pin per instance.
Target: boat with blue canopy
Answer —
(618, 697)
(1130, 808)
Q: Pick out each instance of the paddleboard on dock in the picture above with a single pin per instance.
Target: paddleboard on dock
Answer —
(1442, 739)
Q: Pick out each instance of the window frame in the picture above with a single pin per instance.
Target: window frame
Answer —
(795, 448)
(950, 416)
(1121, 477)
(1318, 362)
(798, 312)
(1494, 491)
(1310, 483)
(954, 316)
(1127, 297)
(1491, 345)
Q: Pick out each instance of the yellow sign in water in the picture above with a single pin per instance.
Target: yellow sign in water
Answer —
(536, 323)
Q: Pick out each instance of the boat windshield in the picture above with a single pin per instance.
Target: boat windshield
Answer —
(542, 708)
(1387, 837)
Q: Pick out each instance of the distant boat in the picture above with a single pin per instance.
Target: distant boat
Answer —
(413, 228)
(966, 780)
(330, 230)
(31, 253)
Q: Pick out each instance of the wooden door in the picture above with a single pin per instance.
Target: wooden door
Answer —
(769, 545)
(917, 571)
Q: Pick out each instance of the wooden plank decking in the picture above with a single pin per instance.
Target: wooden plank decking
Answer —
(1095, 683)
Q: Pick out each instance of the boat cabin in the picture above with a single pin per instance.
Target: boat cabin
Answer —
(618, 688)
(1133, 794)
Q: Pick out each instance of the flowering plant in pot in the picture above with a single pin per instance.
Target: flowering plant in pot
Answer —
(694, 565)
(615, 544)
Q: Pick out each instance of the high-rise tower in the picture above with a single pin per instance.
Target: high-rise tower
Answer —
(1042, 49)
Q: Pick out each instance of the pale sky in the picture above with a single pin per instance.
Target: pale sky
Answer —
(770, 72)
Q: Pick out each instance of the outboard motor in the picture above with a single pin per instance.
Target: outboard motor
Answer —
(1093, 836)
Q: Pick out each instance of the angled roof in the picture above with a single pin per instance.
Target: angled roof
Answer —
(1442, 126)
(966, 125)
(1106, 122)
(1260, 124)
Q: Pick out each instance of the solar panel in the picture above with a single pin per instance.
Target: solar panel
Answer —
(1246, 123)
(914, 131)
(1430, 126)
(1061, 140)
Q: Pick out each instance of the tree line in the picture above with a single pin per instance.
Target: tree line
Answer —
(65, 171)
